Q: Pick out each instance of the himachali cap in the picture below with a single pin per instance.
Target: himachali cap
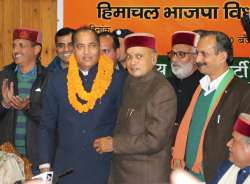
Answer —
(185, 37)
(242, 124)
(28, 34)
(140, 40)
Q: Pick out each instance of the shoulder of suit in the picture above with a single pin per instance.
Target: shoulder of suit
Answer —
(240, 82)
(160, 77)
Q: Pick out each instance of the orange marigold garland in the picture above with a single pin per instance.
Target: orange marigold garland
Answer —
(99, 87)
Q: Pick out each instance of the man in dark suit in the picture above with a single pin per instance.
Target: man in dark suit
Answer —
(80, 105)
(64, 48)
(110, 46)
(121, 52)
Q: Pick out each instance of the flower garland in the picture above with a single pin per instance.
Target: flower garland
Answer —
(99, 87)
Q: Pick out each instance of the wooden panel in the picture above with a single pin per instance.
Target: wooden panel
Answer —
(37, 14)
(9, 13)
(1, 33)
(48, 31)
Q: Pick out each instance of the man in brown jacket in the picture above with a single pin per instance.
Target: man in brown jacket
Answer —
(207, 125)
(141, 140)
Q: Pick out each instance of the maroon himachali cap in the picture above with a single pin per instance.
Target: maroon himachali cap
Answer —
(28, 34)
(185, 37)
(242, 124)
(140, 40)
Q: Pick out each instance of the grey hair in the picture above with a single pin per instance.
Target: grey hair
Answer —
(223, 43)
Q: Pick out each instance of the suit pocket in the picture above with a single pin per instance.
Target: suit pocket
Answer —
(136, 121)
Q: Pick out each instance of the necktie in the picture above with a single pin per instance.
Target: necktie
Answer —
(242, 175)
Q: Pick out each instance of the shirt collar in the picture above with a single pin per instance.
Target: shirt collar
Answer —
(209, 86)
(31, 73)
(85, 72)
(117, 67)
(63, 65)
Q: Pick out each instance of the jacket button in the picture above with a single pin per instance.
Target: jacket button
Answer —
(179, 91)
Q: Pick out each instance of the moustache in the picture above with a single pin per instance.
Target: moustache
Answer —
(201, 64)
(175, 65)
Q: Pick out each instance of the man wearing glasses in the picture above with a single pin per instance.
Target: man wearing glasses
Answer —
(186, 76)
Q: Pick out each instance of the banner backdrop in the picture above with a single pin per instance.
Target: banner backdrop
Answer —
(162, 18)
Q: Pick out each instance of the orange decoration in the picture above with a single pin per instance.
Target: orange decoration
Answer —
(99, 87)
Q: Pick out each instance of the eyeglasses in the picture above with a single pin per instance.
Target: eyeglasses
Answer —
(179, 54)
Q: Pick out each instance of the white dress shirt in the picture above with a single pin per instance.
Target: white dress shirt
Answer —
(209, 86)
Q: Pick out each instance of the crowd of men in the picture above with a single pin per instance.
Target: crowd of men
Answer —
(101, 112)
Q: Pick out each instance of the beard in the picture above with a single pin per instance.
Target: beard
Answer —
(182, 71)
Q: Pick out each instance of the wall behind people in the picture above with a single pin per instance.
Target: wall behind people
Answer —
(162, 18)
(37, 14)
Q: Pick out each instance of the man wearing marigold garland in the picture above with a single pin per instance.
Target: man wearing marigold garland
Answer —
(141, 140)
(80, 105)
